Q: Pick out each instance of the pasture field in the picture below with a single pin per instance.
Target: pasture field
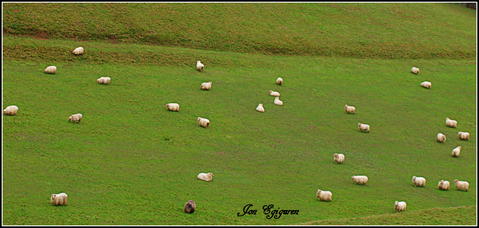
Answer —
(130, 161)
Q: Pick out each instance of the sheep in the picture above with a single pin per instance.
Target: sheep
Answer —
(51, 70)
(426, 84)
(456, 151)
(190, 206)
(10, 110)
(279, 81)
(174, 107)
(274, 93)
(203, 122)
(59, 199)
(78, 51)
(443, 185)
(363, 127)
(199, 66)
(415, 70)
(451, 123)
(462, 185)
(360, 179)
(104, 80)
(206, 86)
(400, 206)
(338, 158)
(441, 137)
(349, 109)
(75, 118)
(324, 195)
(277, 101)
(419, 181)
(205, 176)
(260, 108)
(463, 135)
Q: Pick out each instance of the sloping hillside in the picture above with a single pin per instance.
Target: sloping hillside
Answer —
(358, 30)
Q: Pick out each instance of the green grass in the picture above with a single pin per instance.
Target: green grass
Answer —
(442, 216)
(393, 30)
(132, 162)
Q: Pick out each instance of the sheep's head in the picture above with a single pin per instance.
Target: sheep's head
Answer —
(456, 180)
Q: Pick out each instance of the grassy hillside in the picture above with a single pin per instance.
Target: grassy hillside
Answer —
(442, 216)
(132, 162)
(361, 30)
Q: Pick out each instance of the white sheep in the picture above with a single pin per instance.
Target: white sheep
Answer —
(349, 109)
(426, 84)
(363, 127)
(205, 176)
(462, 185)
(274, 93)
(51, 70)
(360, 179)
(206, 85)
(59, 199)
(415, 70)
(324, 195)
(443, 185)
(400, 205)
(441, 137)
(279, 81)
(338, 158)
(203, 122)
(451, 123)
(419, 181)
(456, 151)
(199, 66)
(463, 135)
(277, 101)
(260, 108)
(10, 110)
(75, 118)
(104, 80)
(78, 51)
(175, 107)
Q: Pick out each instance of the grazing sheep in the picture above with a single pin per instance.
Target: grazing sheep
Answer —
(104, 80)
(190, 206)
(274, 93)
(199, 66)
(175, 107)
(363, 127)
(463, 135)
(206, 85)
(203, 122)
(260, 108)
(10, 110)
(419, 181)
(441, 137)
(360, 179)
(59, 199)
(279, 81)
(349, 109)
(443, 185)
(78, 51)
(324, 195)
(75, 118)
(338, 158)
(451, 123)
(426, 84)
(456, 151)
(51, 70)
(277, 101)
(415, 70)
(462, 185)
(400, 206)
(205, 176)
